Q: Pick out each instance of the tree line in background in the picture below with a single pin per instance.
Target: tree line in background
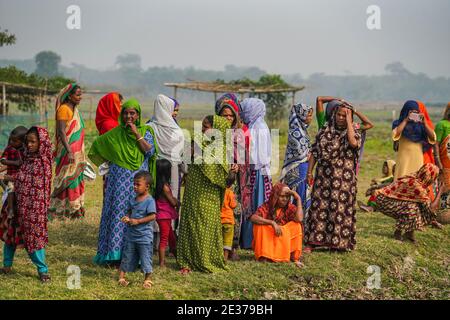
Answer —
(129, 77)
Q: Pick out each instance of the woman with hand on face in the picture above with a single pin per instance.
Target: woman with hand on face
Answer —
(412, 137)
(332, 215)
(129, 148)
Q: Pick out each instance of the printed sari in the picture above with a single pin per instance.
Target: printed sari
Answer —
(67, 200)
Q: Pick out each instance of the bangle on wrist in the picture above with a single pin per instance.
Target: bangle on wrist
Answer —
(140, 139)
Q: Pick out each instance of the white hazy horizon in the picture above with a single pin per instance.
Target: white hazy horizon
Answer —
(278, 36)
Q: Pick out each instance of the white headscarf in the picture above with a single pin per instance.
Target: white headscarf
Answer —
(168, 134)
(253, 111)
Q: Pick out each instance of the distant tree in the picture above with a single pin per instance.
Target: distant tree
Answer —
(397, 68)
(129, 61)
(275, 102)
(6, 38)
(26, 98)
(47, 64)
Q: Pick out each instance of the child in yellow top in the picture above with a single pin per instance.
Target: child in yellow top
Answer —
(227, 216)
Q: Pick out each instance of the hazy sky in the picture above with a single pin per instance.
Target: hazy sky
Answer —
(279, 36)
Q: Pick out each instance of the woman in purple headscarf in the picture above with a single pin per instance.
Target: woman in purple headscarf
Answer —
(252, 111)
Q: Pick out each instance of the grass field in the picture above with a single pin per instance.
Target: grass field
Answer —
(407, 271)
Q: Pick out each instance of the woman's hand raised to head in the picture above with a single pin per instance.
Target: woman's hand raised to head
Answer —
(348, 115)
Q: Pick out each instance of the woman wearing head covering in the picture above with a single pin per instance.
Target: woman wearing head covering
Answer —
(129, 148)
(442, 155)
(108, 111)
(68, 186)
(332, 215)
(227, 106)
(332, 103)
(297, 153)
(414, 137)
(252, 111)
(407, 200)
(169, 137)
(32, 183)
(277, 227)
(200, 242)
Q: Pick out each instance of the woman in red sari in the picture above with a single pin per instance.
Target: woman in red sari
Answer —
(32, 186)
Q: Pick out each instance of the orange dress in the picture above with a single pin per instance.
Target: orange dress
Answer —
(278, 249)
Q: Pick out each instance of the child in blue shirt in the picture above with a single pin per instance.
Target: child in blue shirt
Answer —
(138, 245)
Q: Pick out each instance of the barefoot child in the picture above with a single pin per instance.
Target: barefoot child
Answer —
(32, 188)
(166, 209)
(12, 159)
(227, 216)
(138, 244)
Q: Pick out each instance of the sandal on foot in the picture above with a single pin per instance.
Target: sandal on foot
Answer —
(147, 284)
(44, 277)
(124, 283)
(364, 207)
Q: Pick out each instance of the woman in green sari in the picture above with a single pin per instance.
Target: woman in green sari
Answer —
(128, 148)
(200, 244)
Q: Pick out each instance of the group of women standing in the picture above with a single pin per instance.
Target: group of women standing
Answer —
(323, 173)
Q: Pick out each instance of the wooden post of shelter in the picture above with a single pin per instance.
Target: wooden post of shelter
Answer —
(3, 110)
(293, 97)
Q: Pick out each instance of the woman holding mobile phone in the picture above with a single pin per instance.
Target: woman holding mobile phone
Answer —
(414, 138)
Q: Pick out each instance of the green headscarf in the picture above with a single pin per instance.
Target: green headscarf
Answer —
(119, 145)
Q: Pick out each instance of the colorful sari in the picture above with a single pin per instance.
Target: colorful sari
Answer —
(67, 199)
(118, 146)
(408, 200)
(200, 243)
(443, 137)
(277, 248)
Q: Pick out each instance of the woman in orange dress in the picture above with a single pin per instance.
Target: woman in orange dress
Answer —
(277, 229)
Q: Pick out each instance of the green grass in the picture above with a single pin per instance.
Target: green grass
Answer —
(407, 271)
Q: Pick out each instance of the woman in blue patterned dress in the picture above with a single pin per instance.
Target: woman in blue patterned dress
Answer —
(128, 148)
(297, 153)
